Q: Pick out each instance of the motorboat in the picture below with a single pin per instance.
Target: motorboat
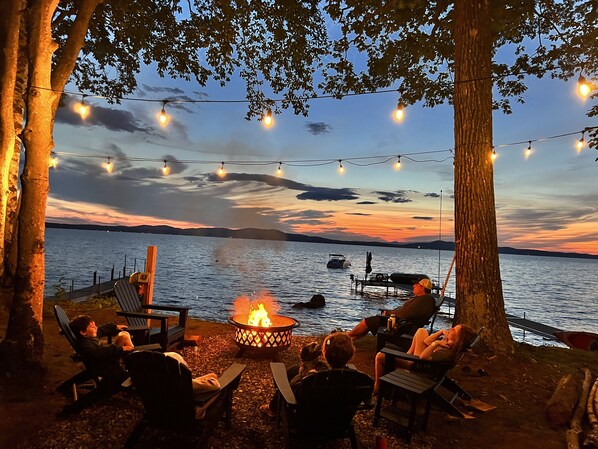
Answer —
(407, 278)
(338, 261)
(579, 340)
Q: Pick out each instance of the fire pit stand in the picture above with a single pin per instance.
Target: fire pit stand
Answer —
(263, 341)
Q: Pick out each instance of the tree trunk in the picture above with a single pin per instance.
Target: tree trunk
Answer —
(479, 289)
(23, 344)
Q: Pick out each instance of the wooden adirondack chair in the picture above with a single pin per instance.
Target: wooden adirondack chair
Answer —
(446, 390)
(88, 373)
(165, 388)
(137, 317)
(322, 406)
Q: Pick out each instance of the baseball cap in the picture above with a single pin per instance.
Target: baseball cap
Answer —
(426, 283)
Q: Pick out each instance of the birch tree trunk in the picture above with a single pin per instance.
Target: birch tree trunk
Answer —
(479, 289)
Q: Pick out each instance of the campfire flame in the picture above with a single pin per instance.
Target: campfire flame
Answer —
(259, 317)
(259, 311)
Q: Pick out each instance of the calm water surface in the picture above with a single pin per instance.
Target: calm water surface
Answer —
(207, 274)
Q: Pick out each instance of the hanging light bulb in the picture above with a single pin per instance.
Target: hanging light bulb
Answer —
(397, 164)
(165, 169)
(267, 118)
(581, 142)
(221, 170)
(583, 87)
(279, 169)
(163, 117)
(82, 108)
(528, 150)
(109, 166)
(493, 156)
(399, 112)
(341, 169)
(53, 160)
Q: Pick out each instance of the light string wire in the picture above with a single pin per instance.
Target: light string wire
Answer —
(361, 161)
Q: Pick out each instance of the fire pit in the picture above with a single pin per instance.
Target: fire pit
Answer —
(266, 338)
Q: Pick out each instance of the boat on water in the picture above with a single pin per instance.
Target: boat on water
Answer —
(338, 261)
(579, 340)
(407, 278)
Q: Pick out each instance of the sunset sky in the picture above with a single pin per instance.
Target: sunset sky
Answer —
(547, 201)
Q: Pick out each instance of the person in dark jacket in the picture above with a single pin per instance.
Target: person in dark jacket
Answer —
(104, 359)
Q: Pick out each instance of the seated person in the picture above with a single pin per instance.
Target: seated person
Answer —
(103, 358)
(337, 349)
(443, 345)
(419, 308)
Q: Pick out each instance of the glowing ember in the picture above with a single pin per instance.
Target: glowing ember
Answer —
(259, 317)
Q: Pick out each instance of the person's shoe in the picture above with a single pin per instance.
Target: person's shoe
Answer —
(265, 409)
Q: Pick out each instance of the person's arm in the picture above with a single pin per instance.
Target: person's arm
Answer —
(433, 337)
(108, 330)
(426, 354)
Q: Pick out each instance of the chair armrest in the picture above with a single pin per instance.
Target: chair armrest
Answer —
(229, 378)
(165, 307)
(281, 381)
(150, 347)
(401, 355)
(149, 316)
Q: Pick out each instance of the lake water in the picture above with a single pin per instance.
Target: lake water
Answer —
(207, 274)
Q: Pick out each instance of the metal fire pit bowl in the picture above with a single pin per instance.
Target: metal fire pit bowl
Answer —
(263, 340)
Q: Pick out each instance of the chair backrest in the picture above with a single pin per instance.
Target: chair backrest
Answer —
(128, 300)
(165, 388)
(328, 400)
(63, 323)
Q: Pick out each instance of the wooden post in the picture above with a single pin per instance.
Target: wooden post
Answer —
(152, 255)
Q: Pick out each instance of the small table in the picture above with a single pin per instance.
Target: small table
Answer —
(416, 386)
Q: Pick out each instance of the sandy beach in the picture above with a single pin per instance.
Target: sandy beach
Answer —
(517, 385)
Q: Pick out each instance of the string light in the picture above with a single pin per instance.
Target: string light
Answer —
(53, 160)
(109, 166)
(279, 169)
(163, 117)
(528, 151)
(221, 170)
(165, 169)
(583, 87)
(82, 108)
(397, 164)
(493, 156)
(267, 118)
(341, 169)
(581, 142)
(399, 112)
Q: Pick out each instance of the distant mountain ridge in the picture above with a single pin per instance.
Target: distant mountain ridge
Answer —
(273, 234)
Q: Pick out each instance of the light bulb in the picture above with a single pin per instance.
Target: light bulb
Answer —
(83, 109)
(528, 150)
(163, 117)
(267, 119)
(108, 166)
(493, 156)
(279, 169)
(165, 169)
(583, 86)
(53, 160)
(221, 170)
(580, 143)
(399, 113)
(397, 164)
(341, 169)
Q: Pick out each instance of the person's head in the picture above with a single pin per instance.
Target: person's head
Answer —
(338, 349)
(423, 287)
(83, 326)
(460, 336)
(311, 351)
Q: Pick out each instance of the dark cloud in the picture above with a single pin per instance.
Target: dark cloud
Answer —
(173, 163)
(423, 218)
(112, 119)
(318, 128)
(309, 192)
(400, 196)
(358, 213)
(432, 195)
(307, 217)
(159, 89)
(367, 202)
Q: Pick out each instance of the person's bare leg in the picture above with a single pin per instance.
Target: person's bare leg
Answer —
(418, 344)
(378, 370)
(123, 340)
(359, 331)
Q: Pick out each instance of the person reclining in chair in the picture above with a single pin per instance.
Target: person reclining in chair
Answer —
(443, 345)
(419, 308)
(104, 358)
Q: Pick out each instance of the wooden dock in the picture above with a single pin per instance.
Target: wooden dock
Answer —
(102, 288)
(542, 330)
